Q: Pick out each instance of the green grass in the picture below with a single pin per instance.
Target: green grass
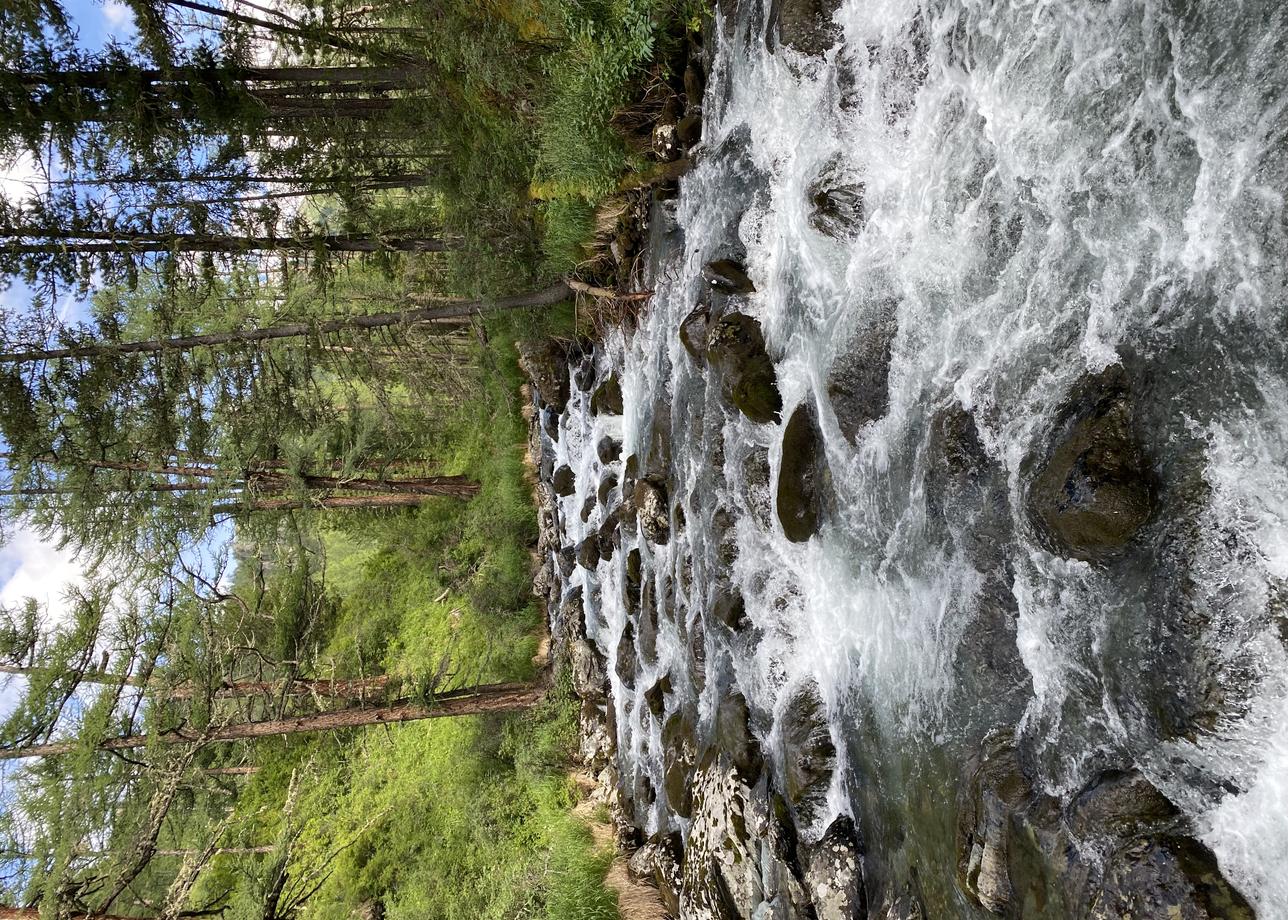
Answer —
(456, 818)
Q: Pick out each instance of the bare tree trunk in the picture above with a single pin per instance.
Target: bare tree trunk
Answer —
(106, 241)
(466, 489)
(231, 771)
(551, 295)
(470, 701)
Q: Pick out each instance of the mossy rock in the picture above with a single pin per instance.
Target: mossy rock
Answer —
(607, 398)
(736, 349)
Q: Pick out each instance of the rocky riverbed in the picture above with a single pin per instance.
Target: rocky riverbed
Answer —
(921, 550)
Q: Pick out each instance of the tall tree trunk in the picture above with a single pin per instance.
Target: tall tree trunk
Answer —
(552, 295)
(467, 489)
(342, 688)
(107, 241)
(470, 701)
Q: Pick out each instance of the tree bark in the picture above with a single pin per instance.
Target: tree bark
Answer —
(467, 489)
(547, 297)
(470, 701)
(107, 241)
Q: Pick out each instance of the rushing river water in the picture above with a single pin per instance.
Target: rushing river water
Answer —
(1039, 194)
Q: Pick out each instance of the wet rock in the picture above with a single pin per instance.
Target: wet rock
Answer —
(573, 614)
(694, 83)
(693, 332)
(547, 468)
(727, 277)
(803, 477)
(566, 559)
(1173, 877)
(698, 657)
(834, 873)
(655, 696)
(564, 481)
(584, 375)
(858, 384)
(805, 26)
(609, 535)
(1120, 850)
(631, 586)
(730, 609)
(904, 906)
(606, 486)
(736, 348)
(809, 755)
(607, 398)
(588, 553)
(589, 671)
(679, 757)
(732, 736)
(677, 514)
(836, 203)
(626, 656)
(550, 422)
(587, 508)
(609, 450)
(651, 507)
(688, 131)
(1096, 489)
(546, 364)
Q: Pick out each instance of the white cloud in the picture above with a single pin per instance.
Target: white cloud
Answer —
(41, 571)
(118, 15)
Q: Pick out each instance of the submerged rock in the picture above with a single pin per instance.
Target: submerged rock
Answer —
(736, 349)
(564, 481)
(803, 477)
(1096, 489)
(728, 277)
(584, 375)
(550, 422)
(805, 26)
(1120, 849)
(858, 384)
(809, 755)
(607, 398)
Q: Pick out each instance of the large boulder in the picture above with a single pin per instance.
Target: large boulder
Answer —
(727, 277)
(1119, 849)
(722, 879)
(546, 364)
(564, 481)
(809, 754)
(834, 873)
(679, 758)
(732, 735)
(736, 349)
(805, 26)
(1096, 488)
(803, 476)
(858, 384)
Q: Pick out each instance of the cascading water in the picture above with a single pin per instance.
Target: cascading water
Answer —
(1045, 207)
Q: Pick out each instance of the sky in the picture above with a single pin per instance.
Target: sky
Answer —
(30, 566)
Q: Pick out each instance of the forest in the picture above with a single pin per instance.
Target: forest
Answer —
(258, 373)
